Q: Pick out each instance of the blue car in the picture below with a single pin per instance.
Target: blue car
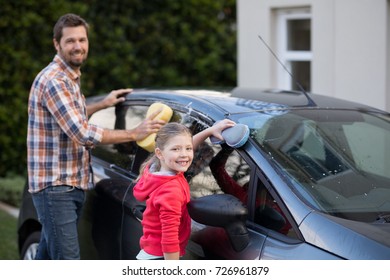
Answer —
(311, 182)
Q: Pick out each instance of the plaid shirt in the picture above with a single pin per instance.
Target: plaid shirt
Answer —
(58, 133)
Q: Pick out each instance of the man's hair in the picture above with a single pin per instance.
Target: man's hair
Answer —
(68, 20)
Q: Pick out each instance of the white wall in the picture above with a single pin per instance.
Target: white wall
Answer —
(251, 67)
(350, 45)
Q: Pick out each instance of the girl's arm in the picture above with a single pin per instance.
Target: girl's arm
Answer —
(214, 130)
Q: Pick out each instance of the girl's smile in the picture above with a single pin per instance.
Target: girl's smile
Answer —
(177, 154)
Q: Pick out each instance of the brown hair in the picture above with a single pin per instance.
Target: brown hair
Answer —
(162, 137)
(68, 20)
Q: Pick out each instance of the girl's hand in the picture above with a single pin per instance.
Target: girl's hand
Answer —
(214, 130)
(219, 126)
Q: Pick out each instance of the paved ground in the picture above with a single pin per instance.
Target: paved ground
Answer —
(9, 209)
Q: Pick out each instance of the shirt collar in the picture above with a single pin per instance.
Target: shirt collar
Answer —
(75, 75)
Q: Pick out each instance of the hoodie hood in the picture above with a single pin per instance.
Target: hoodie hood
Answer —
(150, 182)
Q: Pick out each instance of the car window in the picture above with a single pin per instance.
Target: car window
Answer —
(119, 117)
(104, 118)
(337, 160)
(129, 156)
(227, 173)
(362, 137)
(269, 214)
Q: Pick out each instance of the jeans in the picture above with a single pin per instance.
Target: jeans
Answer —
(59, 209)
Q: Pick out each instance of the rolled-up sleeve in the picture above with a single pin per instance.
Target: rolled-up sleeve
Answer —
(67, 107)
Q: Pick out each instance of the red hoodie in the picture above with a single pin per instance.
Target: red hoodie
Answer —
(166, 222)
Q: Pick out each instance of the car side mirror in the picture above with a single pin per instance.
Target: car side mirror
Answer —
(222, 210)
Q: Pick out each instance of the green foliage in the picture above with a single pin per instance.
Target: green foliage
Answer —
(26, 47)
(164, 43)
(133, 43)
(11, 189)
(8, 244)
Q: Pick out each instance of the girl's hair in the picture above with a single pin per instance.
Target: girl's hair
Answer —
(165, 133)
(68, 20)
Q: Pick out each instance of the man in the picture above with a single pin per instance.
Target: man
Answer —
(59, 139)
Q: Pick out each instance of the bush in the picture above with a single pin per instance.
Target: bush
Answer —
(11, 189)
(133, 43)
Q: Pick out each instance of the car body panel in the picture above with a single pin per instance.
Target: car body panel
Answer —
(110, 227)
(335, 234)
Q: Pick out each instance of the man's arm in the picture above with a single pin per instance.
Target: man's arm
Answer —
(113, 98)
(148, 126)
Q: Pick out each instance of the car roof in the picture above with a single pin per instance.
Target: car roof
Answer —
(224, 103)
(246, 100)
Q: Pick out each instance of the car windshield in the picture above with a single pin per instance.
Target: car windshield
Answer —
(336, 160)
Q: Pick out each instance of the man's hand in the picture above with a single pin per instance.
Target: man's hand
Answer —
(116, 96)
(113, 98)
(148, 126)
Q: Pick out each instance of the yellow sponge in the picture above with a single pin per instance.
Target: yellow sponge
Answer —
(148, 143)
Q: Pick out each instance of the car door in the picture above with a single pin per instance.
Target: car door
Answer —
(226, 171)
(114, 214)
(269, 216)
(117, 160)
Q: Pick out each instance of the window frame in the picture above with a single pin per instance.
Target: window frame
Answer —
(284, 79)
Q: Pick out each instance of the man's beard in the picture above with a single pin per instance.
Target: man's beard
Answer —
(74, 63)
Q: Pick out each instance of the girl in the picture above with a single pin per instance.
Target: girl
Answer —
(166, 222)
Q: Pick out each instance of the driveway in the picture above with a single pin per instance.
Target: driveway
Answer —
(13, 211)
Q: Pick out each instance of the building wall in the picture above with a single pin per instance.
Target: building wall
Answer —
(350, 47)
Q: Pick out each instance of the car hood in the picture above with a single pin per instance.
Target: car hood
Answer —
(346, 238)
